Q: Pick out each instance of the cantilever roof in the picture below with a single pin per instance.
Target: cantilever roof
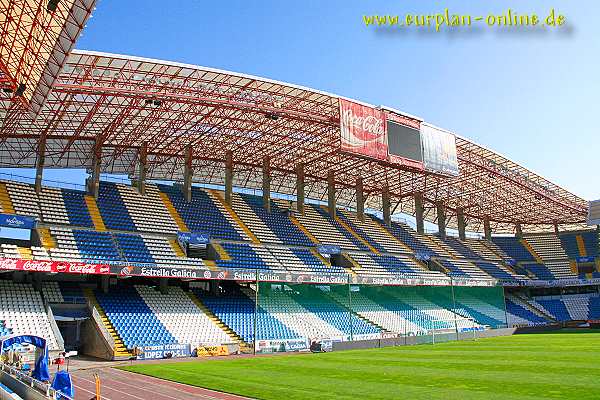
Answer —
(36, 40)
(122, 102)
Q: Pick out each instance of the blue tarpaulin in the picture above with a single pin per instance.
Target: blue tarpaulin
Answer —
(40, 372)
(62, 384)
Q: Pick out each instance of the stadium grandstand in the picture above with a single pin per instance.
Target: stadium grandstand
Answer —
(223, 209)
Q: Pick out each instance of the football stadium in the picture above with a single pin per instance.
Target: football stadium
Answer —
(239, 237)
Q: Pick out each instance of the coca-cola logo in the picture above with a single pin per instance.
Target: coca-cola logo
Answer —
(366, 123)
(104, 269)
(37, 266)
(82, 269)
(9, 263)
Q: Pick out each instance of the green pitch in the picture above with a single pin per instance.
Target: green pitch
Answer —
(548, 366)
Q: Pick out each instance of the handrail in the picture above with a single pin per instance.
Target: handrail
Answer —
(98, 320)
(43, 388)
(59, 339)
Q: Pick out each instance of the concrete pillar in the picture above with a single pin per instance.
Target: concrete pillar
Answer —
(37, 282)
(228, 176)
(300, 188)
(462, 225)
(519, 230)
(94, 179)
(441, 218)
(163, 285)
(188, 174)
(266, 183)
(487, 229)
(214, 287)
(142, 168)
(104, 283)
(39, 163)
(556, 230)
(386, 206)
(419, 211)
(331, 193)
(360, 199)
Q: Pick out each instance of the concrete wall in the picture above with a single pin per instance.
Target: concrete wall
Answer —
(93, 343)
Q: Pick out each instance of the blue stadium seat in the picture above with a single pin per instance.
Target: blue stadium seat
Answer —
(133, 320)
(201, 214)
(76, 207)
(513, 248)
(134, 249)
(277, 221)
(112, 208)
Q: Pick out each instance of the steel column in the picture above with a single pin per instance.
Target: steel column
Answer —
(462, 225)
(300, 188)
(266, 183)
(441, 219)
(419, 211)
(487, 229)
(386, 205)
(331, 193)
(142, 168)
(360, 199)
(39, 163)
(188, 174)
(519, 230)
(228, 176)
(94, 179)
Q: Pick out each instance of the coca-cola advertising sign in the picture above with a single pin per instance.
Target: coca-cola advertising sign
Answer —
(363, 130)
(66, 267)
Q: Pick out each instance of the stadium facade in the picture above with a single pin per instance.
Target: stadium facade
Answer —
(258, 214)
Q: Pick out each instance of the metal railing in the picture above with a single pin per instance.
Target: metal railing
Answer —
(41, 387)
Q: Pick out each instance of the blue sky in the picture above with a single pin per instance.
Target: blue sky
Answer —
(531, 96)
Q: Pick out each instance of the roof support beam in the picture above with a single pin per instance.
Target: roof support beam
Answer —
(228, 176)
(441, 219)
(188, 174)
(419, 212)
(360, 199)
(266, 183)
(300, 188)
(39, 163)
(142, 168)
(331, 193)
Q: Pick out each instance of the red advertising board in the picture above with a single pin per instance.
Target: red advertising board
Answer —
(363, 130)
(66, 267)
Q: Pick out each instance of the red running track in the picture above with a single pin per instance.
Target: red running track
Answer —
(122, 385)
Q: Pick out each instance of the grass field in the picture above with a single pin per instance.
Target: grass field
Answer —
(562, 365)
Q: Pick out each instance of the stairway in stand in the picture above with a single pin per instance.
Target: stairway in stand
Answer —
(92, 206)
(119, 351)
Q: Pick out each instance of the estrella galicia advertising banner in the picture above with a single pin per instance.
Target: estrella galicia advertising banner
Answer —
(17, 221)
(164, 351)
